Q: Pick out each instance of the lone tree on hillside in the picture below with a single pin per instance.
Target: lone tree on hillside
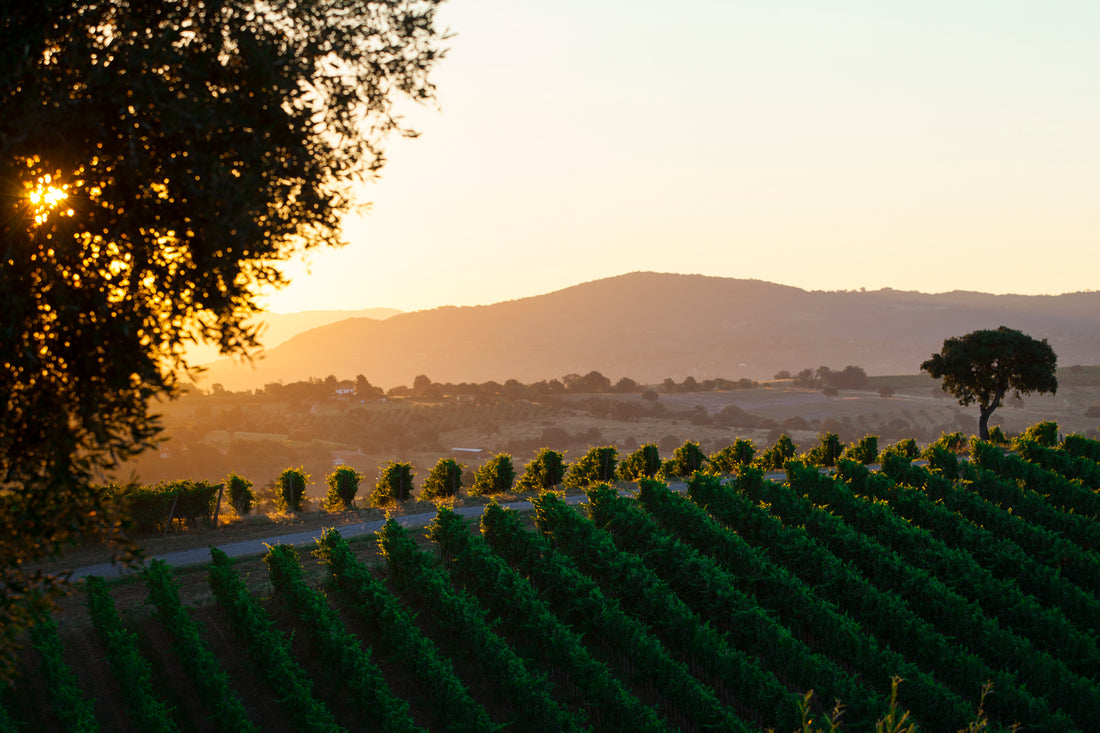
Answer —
(984, 366)
(158, 161)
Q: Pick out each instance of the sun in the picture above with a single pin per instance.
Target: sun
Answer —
(45, 197)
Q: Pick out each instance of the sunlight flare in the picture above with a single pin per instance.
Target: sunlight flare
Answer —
(45, 197)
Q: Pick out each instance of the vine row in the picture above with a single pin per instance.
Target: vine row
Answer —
(337, 645)
(512, 599)
(578, 599)
(883, 613)
(375, 604)
(527, 694)
(816, 620)
(756, 693)
(130, 669)
(709, 591)
(75, 711)
(269, 649)
(200, 663)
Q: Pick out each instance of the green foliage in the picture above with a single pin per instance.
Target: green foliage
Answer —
(955, 442)
(686, 460)
(241, 496)
(598, 464)
(201, 664)
(934, 574)
(997, 436)
(626, 575)
(708, 590)
(864, 451)
(545, 471)
(269, 649)
(732, 457)
(397, 632)
(1044, 433)
(507, 594)
(444, 480)
(343, 485)
(1079, 445)
(827, 453)
(984, 366)
(290, 490)
(943, 459)
(579, 601)
(338, 646)
(395, 484)
(75, 711)
(150, 509)
(130, 668)
(642, 463)
(495, 476)
(906, 448)
(776, 457)
(459, 616)
(199, 146)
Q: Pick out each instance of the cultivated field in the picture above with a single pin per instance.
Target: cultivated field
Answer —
(717, 607)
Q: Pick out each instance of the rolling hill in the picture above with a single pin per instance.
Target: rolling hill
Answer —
(650, 326)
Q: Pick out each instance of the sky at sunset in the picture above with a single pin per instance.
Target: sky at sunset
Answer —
(927, 146)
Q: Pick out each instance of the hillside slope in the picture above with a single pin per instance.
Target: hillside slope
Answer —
(723, 605)
(650, 326)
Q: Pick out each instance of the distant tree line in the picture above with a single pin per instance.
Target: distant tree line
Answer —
(424, 388)
(850, 377)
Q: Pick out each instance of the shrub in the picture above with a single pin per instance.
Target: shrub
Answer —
(731, 458)
(395, 483)
(1044, 433)
(598, 464)
(904, 448)
(943, 460)
(545, 471)
(827, 453)
(290, 490)
(954, 442)
(642, 463)
(495, 476)
(241, 496)
(151, 508)
(776, 457)
(686, 460)
(444, 480)
(865, 451)
(343, 485)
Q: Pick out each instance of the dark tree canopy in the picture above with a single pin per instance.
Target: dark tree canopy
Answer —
(158, 160)
(984, 366)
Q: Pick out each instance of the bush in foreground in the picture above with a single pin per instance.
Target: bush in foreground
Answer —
(290, 490)
(395, 484)
(496, 476)
(343, 485)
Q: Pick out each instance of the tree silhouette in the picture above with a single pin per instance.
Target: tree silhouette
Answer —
(157, 162)
(983, 366)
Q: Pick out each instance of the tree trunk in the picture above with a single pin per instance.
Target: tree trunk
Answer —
(983, 423)
(984, 413)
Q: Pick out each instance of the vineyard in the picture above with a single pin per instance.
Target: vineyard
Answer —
(969, 590)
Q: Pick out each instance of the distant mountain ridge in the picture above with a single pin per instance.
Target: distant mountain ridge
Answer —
(649, 326)
(278, 327)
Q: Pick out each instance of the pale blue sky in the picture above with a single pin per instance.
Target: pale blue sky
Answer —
(832, 145)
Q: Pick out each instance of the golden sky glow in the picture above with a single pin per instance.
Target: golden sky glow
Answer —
(925, 146)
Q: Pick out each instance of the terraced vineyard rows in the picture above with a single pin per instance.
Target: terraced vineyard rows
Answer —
(717, 608)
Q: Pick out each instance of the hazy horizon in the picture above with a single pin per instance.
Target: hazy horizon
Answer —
(385, 307)
(931, 147)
